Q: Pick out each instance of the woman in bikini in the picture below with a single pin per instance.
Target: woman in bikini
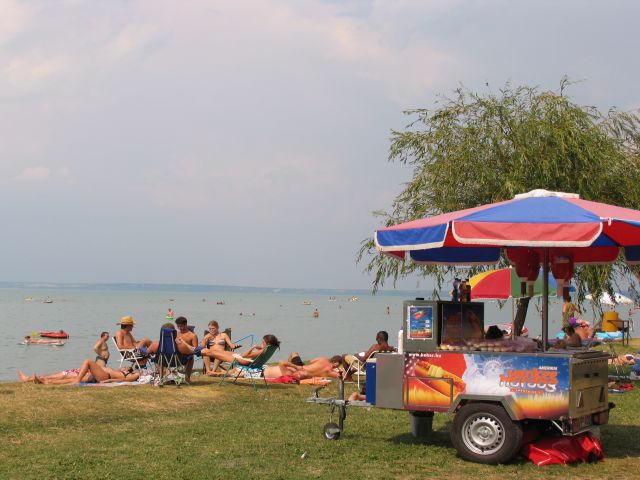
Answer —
(65, 374)
(215, 340)
(100, 375)
(102, 349)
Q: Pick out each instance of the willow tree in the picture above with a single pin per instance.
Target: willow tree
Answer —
(472, 149)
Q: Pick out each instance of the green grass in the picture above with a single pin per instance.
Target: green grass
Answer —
(208, 431)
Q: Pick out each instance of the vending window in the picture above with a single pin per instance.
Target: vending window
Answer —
(462, 321)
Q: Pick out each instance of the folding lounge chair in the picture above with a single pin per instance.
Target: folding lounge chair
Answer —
(253, 368)
(131, 355)
(357, 367)
(168, 360)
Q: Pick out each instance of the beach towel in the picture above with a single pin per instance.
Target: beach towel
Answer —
(608, 336)
(315, 381)
(146, 378)
(286, 379)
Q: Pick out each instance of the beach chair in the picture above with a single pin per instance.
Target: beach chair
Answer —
(131, 355)
(170, 363)
(356, 367)
(254, 369)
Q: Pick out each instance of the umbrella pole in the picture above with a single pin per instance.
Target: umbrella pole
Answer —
(513, 318)
(545, 299)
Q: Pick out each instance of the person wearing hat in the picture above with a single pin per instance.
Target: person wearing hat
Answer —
(125, 339)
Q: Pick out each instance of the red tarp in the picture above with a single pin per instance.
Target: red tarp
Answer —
(563, 450)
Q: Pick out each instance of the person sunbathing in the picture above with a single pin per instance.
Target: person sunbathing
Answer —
(623, 359)
(29, 340)
(244, 358)
(583, 329)
(571, 339)
(99, 374)
(320, 367)
(215, 340)
(65, 374)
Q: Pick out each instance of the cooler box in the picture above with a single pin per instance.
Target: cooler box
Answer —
(610, 321)
(370, 385)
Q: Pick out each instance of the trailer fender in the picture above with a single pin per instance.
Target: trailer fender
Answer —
(505, 401)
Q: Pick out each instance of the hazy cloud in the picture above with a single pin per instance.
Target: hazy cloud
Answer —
(132, 39)
(14, 19)
(32, 174)
(162, 141)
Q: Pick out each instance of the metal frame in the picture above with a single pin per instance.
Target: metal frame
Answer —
(170, 362)
(128, 354)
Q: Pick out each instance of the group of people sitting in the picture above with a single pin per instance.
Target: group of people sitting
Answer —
(216, 349)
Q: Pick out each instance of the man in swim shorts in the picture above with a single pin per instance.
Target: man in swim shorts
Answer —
(295, 359)
(186, 336)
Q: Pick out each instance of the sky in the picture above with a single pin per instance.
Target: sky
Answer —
(246, 142)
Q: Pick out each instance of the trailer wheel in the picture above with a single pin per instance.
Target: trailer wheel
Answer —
(332, 431)
(484, 433)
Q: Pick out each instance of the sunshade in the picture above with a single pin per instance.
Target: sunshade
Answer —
(503, 284)
(590, 232)
(555, 228)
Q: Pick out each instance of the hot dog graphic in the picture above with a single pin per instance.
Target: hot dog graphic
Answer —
(434, 373)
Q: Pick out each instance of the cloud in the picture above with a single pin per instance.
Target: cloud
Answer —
(15, 16)
(132, 39)
(375, 48)
(29, 71)
(34, 174)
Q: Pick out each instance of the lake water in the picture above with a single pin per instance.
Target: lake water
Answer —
(343, 325)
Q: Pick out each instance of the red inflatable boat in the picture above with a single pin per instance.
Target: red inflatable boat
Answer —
(59, 334)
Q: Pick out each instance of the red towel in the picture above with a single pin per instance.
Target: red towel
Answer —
(284, 379)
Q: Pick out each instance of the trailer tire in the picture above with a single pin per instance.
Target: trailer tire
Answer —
(332, 431)
(484, 433)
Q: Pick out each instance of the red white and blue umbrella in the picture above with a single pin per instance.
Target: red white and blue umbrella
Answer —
(590, 232)
(550, 229)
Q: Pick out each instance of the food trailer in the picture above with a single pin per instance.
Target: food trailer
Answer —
(496, 389)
